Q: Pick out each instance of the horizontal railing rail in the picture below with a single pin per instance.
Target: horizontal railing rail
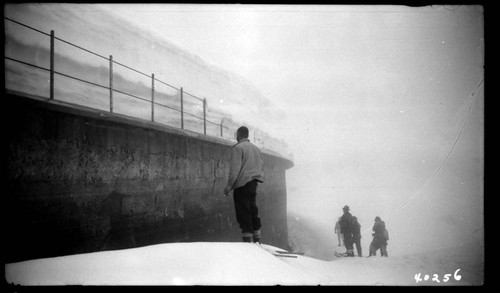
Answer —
(81, 48)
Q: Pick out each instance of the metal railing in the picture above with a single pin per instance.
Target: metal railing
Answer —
(52, 71)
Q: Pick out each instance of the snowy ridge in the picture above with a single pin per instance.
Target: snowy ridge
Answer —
(225, 263)
(200, 263)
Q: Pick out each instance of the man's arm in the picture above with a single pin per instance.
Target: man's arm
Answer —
(262, 161)
(234, 168)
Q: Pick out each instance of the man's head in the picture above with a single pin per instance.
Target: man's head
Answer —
(345, 209)
(377, 219)
(241, 133)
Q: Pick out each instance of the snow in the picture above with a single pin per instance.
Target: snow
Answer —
(400, 270)
(200, 263)
(230, 263)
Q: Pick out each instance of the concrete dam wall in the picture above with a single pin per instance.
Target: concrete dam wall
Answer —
(83, 180)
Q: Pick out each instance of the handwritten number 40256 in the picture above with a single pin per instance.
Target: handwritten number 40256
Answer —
(435, 277)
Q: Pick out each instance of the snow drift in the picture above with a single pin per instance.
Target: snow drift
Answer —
(200, 263)
(223, 263)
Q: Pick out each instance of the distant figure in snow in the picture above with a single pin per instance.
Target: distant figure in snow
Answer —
(380, 237)
(337, 231)
(245, 172)
(346, 230)
(356, 235)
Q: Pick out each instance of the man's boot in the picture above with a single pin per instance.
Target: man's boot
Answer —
(256, 236)
(247, 237)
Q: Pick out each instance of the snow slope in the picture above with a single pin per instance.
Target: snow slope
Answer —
(201, 263)
(218, 263)
(400, 270)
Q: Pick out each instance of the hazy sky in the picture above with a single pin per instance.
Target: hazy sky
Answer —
(379, 111)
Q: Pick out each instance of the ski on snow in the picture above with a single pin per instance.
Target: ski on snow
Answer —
(284, 255)
(278, 252)
(339, 254)
(288, 252)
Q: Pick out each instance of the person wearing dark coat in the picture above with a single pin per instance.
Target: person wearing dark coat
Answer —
(379, 238)
(356, 235)
(346, 230)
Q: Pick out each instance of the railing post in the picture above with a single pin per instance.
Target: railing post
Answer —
(204, 116)
(52, 64)
(111, 83)
(182, 108)
(153, 97)
(221, 133)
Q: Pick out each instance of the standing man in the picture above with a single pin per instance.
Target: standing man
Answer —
(356, 235)
(337, 231)
(346, 230)
(245, 172)
(379, 238)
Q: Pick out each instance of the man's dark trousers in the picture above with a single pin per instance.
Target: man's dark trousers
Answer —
(247, 213)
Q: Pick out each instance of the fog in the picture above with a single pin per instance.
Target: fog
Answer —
(384, 108)
(381, 106)
(404, 138)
